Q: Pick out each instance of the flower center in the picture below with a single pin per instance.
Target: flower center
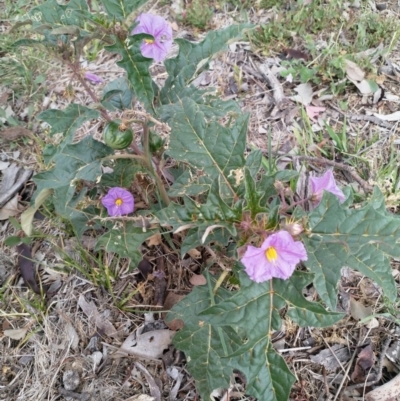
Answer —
(149, 41)
(118, 202)
(271, 254)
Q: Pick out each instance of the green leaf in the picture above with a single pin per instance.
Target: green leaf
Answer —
(212, 221)
(75, 162)
(209, 147)
(122, 99)
(66, 122)
(188, 183)
(28, 214)
(14, 241)
(201, 341)
(252, 196)
(210, 104)
(124, 239)
(191, 55)
(362, 239)
(120, 9)
(124, 171)
(137, 68)
(52, 12)
(191, 59)
(254, 310)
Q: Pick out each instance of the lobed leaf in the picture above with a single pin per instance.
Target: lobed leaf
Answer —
(75, 162)
(201, 341)
(212, 221)
(192, 56)
(120, 9)
(51, 12)
(118, 93)
(253, 311)
(137, 68)
(208, 147)
(125, 239)
(124, 172)
(65, 122)
(362, 239)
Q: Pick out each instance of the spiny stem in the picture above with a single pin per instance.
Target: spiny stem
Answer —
(219, 329)
(149, 162)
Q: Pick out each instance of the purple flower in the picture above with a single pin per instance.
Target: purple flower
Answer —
(161, 31)
(118, 201)
(93, 78)
(278, 256)
(325, 183)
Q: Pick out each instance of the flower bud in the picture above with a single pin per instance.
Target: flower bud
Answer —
(294, 229)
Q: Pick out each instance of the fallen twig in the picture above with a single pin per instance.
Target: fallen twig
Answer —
(364, 184)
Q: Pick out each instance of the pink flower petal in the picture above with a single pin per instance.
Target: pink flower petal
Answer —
(325, 183)
(125, 199)
(161, 31)
(289, 254)
(93, 78)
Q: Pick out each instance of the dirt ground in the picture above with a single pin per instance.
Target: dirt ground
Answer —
(66, 343)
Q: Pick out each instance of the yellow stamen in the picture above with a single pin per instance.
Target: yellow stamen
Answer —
(271, 254)
(118, 202)
(149, 41)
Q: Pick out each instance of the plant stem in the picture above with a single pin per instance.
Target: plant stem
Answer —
(149, 162)
(88, 89)
(125, 156)
(219, 329)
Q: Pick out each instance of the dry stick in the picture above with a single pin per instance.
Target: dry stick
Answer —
(378, 376)
(345, 376)
(367, 188)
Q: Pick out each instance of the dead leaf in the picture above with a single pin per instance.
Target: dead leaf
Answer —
(11, 208)
(363, 86)
(389, 117)
(194, 253)
(198, 279)
(149, 345)
(172, 299)
(90, 310)
(154, 240)
(16, 334)
(353, 71)
(4, 165)
(145, 268)
(174, 26)
(365, 360)
(358, 311)
(14, 133)
(73, 337)
(329, 360)
(296, 54)
(305, 94)
(27, 268)
(313, 111)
